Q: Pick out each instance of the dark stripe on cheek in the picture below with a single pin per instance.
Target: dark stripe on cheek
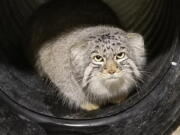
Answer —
(132, 71)
(96, 65)
(90, 75)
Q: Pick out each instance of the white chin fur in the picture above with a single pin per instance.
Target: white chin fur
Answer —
(109, 88)
(113, 85)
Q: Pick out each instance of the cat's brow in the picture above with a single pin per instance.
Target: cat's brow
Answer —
(122, 47)
(95, 51)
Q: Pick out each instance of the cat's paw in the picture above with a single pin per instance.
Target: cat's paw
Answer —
(118, 100)
(89, 107)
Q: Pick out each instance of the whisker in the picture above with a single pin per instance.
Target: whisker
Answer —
(140, 79)
(145, 73)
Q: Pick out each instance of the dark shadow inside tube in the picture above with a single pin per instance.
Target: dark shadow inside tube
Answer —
(20, 84)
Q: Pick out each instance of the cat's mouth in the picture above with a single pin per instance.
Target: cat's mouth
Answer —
(112, 78)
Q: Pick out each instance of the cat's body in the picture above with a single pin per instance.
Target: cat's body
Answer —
(89, 59)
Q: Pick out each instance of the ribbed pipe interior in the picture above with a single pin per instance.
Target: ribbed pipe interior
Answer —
(154, 19)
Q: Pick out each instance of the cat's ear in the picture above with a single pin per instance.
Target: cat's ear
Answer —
(78, 49)
(135, 39)
(136, 44)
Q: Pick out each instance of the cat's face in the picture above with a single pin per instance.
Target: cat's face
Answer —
(111, 64)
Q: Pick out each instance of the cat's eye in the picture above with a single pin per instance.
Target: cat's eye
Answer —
(98, 58)
(120, 55)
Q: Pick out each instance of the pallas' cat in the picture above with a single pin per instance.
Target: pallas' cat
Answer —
(79, 46)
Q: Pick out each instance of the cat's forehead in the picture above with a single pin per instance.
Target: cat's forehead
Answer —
(108, 42)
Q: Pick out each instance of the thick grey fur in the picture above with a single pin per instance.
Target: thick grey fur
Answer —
(67, 63)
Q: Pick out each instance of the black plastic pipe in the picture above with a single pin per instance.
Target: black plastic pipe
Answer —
(153, 110)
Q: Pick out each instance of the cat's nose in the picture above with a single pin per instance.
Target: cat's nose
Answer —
(111, 71)
(110, 67)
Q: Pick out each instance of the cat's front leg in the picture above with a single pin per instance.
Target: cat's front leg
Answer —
(89, 106)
